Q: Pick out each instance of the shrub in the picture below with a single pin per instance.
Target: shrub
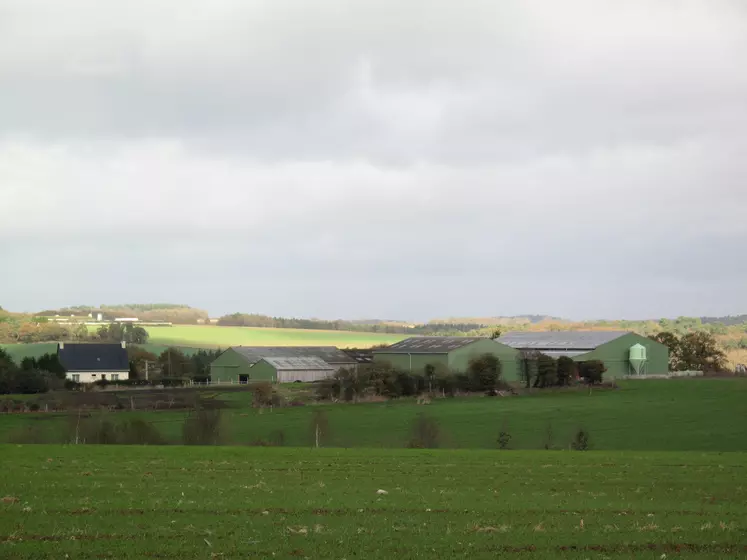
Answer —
(484, 371)
(504, 439)
(446, 383)
(262, 392)
(547, 371)
(592, 371)
(581, 441)
(277, 438)
(138, 432)
(566, 371)
(319, 428)
(549, 437)
(425, 433)
(96, 430)
(203, 427)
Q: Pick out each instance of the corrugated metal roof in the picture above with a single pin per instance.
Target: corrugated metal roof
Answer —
(360, 356)
(295, 363)
(329, 354)
(567, 353)
(559, 340)
(428, 345)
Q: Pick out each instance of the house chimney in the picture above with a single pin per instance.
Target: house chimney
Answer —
(124, 344)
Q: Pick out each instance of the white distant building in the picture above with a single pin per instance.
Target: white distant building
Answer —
(126, 320)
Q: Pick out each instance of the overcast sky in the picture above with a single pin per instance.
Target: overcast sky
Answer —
(356, 158)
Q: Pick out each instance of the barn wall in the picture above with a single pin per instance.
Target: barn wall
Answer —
(457, 360)
(412, 362)
(616, 353)
(227, 367)
(262, 371)
(509, 357)
(309, 375)
(92, 376)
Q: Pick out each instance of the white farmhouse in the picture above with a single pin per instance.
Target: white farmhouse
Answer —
(87, 363)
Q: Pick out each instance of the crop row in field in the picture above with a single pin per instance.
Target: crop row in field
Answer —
(178, 502)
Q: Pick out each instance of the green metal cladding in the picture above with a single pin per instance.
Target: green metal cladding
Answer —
(457, 360)
(616, 356)
(230, 366)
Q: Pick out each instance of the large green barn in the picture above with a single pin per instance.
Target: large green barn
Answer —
(242, 364)
(623, 353)
(452, 353)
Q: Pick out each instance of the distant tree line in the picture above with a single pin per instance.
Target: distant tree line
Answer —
(121, 332)
(27, 329)
(153, 312)
(265, 321)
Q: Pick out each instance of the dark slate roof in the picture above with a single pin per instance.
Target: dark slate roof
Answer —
(559, 340)
(428, 345)
(93, 357)
(329, 354)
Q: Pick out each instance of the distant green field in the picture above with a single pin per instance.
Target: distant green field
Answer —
(653, 415)
(212, 336)
(20, 351)
(190, 338)
(180, 502)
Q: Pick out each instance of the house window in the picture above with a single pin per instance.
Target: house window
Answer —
(115, 377)
(93, 375)
(76, 377)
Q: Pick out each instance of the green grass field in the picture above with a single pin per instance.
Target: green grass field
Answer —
(217, 502)
(20, 351)
(653, 415)
(211, 336)
(189, 338)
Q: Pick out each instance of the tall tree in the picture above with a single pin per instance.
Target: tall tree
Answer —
(567, 370)
(528, 369)
(485, 372)
(174, 363)
(547, 371)
(592, 371)
(699, 351)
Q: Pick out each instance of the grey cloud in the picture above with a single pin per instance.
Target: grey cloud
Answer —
(374, 158)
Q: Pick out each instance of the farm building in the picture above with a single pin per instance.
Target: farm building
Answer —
(361, 356)
(330, 354)
(623, 353)
(87, 363)
(278, 364)
(453, 353)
